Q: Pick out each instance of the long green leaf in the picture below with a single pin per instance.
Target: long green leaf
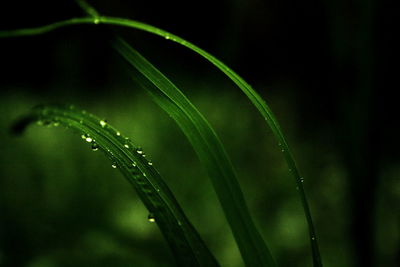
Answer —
(184, 241)
(211, 153)
(254, 97)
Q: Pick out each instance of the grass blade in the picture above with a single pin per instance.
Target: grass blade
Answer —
(254, 97)
(184, 241)
(211, 153)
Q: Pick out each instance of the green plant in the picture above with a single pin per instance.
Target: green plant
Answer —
(202, 137)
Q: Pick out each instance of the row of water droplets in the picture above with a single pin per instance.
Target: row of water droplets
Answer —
(133, 166)
(45, 119)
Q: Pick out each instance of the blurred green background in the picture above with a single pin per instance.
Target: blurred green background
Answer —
(324, 67)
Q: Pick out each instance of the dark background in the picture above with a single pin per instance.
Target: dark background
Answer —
(326, 68)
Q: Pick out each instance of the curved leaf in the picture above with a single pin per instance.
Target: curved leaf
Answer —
(184, 241)
(211, 153)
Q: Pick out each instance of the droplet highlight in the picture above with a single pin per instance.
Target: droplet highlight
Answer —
(87, 138)
(151, 218)
(103, 123)
(95, 147)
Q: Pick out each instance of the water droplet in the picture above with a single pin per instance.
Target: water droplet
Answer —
(103, 123)
(89, 139)
(151, 218)
(301, 180)
(114, 165)
(118, 134)
(167, 37)
(150, 163)
(134, 164)
(96, 21)
(282, 150)
(95, 147)
(139, 151)
(55, 124)
(126, 145)
(312, 238)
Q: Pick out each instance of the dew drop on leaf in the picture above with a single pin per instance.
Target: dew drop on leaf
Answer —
(103, 123)
(114, 165)
(87, 138)
(151, 218)
(95, 147)
(127, 146)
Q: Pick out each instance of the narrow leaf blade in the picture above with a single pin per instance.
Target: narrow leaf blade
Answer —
(211, 153)
(184, 241)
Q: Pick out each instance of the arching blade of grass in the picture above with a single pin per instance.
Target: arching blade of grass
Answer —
(184, 241)
(254, 97)
(211, 153)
